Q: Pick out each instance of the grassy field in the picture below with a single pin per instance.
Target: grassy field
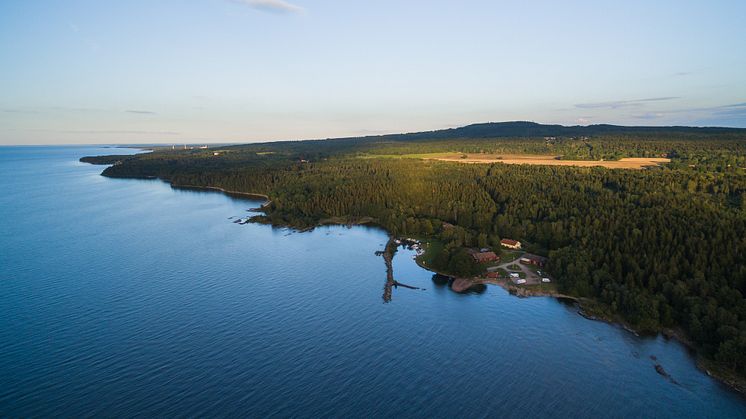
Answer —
(507, 255)
(549, 288)
(431, 248)
(531, 159)
(546, 160)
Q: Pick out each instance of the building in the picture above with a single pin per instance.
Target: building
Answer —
(493, 275)
(510, 244)
(529, 259)
(484, 257)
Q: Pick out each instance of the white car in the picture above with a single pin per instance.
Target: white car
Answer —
(546, 280)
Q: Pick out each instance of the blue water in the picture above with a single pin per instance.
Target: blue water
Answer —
(129, 298)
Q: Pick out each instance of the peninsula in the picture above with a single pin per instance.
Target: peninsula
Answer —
(646, 222)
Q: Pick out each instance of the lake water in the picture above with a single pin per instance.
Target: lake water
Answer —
(130, 298)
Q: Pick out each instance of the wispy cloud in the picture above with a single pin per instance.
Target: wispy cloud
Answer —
(649, 115)
(140, 112)
(623, 103)
(272, 6)
(114, 132)
(711, 113)
(736, 109)
(19, 111)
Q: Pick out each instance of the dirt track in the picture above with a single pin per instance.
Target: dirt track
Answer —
(626, 163)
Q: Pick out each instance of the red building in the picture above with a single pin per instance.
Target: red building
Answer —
(529, 259)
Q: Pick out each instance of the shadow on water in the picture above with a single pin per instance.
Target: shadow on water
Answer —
(447, 281)
(441, 280)
(388, 257)
(236, 196)
(475, 289)
(568, 302)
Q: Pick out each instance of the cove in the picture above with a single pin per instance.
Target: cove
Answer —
(132, 298)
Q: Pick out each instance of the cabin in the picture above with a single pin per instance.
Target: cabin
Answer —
(510, 244)
(484, 257)
(529, 259)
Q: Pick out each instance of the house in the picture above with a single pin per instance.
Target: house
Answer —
(493, 275)
(510, 244)
(529, 259)
(484, 257)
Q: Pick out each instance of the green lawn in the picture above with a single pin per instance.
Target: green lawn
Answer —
(509, 255)
(431, 249)
(406, 156)
(548, 288)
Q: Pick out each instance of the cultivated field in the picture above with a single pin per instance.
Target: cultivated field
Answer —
(625, 163)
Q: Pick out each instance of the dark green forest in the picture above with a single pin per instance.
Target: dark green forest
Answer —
(663, 247)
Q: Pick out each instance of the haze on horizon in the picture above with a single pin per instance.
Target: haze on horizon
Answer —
(176, 71)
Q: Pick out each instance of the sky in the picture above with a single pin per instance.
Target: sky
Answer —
(194, 71)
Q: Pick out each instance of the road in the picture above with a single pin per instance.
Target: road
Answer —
(531, 277)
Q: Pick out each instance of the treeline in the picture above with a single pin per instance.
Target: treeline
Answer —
(663, 248)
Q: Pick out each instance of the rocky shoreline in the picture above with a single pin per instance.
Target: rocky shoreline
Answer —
(736, 384)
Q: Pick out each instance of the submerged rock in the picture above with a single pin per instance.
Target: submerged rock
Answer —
(659, 369)
(461, 284)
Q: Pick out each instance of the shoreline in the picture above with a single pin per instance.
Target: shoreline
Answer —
(709, 367)
(267, 201)
(723, 377)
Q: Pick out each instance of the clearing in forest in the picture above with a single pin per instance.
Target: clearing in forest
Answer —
(547, 160)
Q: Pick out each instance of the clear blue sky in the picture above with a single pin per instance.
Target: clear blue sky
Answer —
(242, 70)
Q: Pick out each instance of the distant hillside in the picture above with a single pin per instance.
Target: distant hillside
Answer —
(532, 129)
